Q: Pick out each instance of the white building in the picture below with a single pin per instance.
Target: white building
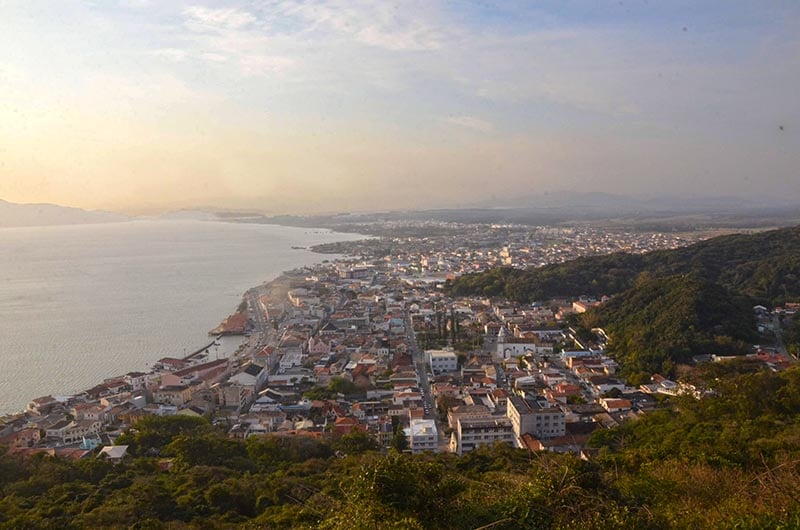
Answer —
(509, 346)
(422, 436)
(442, 361)
(533, 417)
(137, 380)
(114, 453)
(475, 432)
(252, 375)
(68, 432)
(290, 359)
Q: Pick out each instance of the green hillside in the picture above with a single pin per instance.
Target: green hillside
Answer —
(763, 266)
(663, 321)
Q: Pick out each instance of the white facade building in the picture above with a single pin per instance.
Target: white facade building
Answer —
(442, 361)
(471, 433)
(422, 436)
(530, 416)
(509, 346)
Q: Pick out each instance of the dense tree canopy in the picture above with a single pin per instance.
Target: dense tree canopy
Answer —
(763, 266)
(664, 321)
(668, 305)
(792, 337)
(728, 460)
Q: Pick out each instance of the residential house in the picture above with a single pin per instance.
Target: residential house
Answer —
(173, 395)
(43, 405)
(68, 432)
(113, 453)
(252, 376)
(27, 437)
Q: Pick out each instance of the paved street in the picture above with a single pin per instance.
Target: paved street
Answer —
(421, 367)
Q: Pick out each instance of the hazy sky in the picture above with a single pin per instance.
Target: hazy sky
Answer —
(360, 104)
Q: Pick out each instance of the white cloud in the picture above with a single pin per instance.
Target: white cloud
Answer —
(213, 57)
(179, 55)
(171, 54)
(404, 40)
(200, 18)
(407, 26)
(135, 4)
(470, 122)
(426, 76)
(257, 65)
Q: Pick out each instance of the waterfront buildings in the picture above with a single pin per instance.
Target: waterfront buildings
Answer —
(348, 346)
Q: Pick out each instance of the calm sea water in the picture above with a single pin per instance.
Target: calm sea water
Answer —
(79, 304)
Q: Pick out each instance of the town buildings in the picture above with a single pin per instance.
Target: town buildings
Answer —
(441, 361)
(535, 417)
(422, 436)
(371, 343)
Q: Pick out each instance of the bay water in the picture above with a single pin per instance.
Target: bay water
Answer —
(82, 303)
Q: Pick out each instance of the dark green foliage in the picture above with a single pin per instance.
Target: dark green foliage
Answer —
(664, 321)
(336, 386)
(355, 443)
(590, 276)
(343, 386)
(764, 266)
(152, 433)
(272, 452)
(750, 420)
(792, 336)
(671, 304)
(399, 440)
(729, 460)
(207, 449)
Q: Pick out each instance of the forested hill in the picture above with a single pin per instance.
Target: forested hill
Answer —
(763, 266)
(664, 321)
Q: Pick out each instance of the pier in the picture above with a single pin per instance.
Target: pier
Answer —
(203, 349)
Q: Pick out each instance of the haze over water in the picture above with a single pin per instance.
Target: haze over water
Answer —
(82, 303)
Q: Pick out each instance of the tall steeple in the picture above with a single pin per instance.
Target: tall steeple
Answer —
(502, 334)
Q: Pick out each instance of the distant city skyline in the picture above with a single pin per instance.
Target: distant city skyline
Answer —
(356, 105)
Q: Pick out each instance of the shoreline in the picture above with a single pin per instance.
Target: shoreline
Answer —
(207, 344)
(283, 276)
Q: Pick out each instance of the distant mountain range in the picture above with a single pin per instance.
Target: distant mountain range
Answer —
(188, 215)
(17, 215)
(632, 204)
(662, 212)
(654, 213)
